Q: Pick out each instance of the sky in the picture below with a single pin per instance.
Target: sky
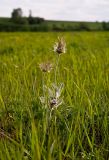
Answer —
(71, 10)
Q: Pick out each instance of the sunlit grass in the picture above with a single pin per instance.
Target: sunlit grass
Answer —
(79, 127)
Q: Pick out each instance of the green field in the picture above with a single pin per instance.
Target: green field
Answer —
(79, 128)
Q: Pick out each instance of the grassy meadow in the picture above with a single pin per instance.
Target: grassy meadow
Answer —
(78, 129)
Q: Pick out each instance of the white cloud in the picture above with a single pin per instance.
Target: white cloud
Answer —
(92, 10)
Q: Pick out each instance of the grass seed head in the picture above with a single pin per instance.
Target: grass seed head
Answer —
(53, 102)
(46, 67)
(53, 98)
(55, 94)
(60, 46)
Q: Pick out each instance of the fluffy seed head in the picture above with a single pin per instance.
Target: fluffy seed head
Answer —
(46, 67)
(60, 46)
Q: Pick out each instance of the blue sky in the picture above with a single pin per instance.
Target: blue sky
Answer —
(82, 10)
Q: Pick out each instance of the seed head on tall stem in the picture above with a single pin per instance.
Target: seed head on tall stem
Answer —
(46, 67)
(60, 46)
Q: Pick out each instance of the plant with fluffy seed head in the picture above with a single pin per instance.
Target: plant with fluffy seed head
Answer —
(60, 46)
(46, 67)
(54, 96)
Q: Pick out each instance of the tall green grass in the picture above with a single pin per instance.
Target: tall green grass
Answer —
(79, 128)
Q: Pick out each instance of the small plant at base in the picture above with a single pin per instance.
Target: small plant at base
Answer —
(54, 99)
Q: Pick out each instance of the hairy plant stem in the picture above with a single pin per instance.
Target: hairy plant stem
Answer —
(56, 68)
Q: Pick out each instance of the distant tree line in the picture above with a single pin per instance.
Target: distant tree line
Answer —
(105, 26)
(17, 18)
(18, 22)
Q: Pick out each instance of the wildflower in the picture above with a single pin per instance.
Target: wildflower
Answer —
(54, 102)
(60, 46)
(46, 67)
(54, 96)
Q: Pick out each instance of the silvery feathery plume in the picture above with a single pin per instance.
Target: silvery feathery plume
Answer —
(46, 67)
(55, 92)
(54, 96)
(60, 46)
